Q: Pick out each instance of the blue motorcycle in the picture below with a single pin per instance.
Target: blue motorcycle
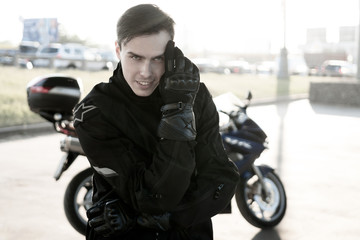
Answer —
(260, 194)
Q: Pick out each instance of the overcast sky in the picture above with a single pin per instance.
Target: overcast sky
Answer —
(228, 25)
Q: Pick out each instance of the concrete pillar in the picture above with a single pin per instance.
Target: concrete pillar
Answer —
(283, 72)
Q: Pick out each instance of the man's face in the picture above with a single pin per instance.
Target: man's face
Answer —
(142, 61)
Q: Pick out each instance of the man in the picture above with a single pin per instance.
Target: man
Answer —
(151, 135)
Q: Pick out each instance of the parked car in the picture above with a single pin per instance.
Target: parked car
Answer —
(109, 56)
(59, 55)
(337, 68)
(207, 65)
(70, 55)
(314, 70)
(27, 53)
(265, 67)
(46, 54)
(8, 56)
(237, 66)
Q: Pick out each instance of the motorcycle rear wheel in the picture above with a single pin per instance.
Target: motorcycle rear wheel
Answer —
(258, 210)
(78, 199)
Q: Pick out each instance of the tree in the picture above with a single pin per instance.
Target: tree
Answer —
(65, 37)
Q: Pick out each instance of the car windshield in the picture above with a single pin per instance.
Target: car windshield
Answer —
(27, 49)
(332, 67)
(50, 50)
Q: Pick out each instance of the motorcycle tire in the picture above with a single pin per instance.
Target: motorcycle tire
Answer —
(77, 200)
(258, 210)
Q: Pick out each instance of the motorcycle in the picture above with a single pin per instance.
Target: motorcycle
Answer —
(53, 97)
(78, 194)
(260, 194)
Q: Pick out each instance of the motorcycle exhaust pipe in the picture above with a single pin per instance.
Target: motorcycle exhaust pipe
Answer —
(71, 144)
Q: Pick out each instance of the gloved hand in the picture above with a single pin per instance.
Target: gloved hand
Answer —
(178, 88)
(110, 218)
(159, 222)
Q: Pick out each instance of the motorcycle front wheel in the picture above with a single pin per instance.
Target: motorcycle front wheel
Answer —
(258, 208)
(78, 199)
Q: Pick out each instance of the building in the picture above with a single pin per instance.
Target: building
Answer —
(318, 48)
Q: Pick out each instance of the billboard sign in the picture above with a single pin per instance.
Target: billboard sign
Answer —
(42, 30)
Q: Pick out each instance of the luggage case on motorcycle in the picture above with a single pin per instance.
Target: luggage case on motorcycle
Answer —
(52, 94)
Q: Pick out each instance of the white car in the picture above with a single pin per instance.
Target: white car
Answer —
(70, 55)
(338, 68)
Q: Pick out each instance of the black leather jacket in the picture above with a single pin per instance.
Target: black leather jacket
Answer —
(117, 130)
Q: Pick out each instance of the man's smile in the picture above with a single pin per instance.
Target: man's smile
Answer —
(142, 83)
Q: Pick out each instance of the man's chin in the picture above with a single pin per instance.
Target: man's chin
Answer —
(144, 93)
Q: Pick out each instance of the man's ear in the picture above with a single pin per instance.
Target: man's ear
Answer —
(117, 49)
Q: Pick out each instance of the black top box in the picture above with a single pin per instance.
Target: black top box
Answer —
(51, 94)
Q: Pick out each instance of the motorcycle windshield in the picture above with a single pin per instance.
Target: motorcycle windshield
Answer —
(226, 102)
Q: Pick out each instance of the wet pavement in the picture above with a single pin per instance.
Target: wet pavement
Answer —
(315, 149)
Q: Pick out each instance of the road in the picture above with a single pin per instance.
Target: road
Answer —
(313, 147)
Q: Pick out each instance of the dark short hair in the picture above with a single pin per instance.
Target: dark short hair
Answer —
(143, 19)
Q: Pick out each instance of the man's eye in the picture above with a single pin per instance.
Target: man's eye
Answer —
(134, 57)
(159, 59)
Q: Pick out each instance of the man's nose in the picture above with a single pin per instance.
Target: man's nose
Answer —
(146, 70)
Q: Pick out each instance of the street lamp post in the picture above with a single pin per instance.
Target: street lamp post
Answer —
(283, 72)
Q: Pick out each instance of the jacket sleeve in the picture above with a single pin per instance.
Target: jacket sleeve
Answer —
(216, 177)
(154, 185)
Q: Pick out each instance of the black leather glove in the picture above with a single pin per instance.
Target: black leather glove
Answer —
(110, 218)
(159, 222)
(178, 88)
